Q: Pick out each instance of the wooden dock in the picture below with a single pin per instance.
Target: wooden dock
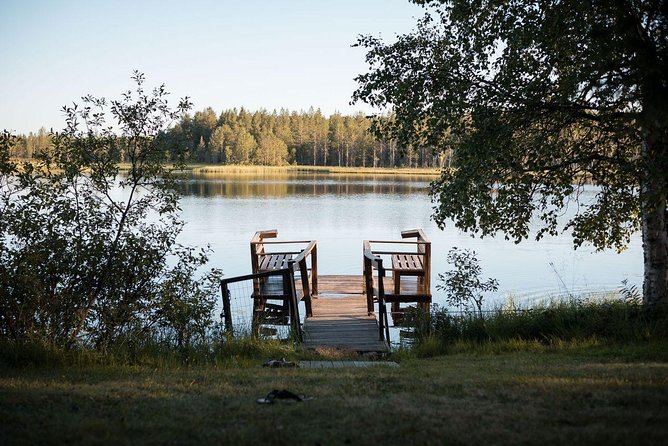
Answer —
(340, 317)
(345, 312)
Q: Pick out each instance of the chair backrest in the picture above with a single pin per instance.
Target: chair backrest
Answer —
(257, 248)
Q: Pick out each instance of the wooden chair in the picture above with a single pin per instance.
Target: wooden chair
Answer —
(272, 294)
(411, 273)
(416, 265)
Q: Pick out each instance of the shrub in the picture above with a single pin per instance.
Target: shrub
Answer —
(463, 285)
(87, 255)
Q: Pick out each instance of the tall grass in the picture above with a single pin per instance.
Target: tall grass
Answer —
(572, 322)
(562, 325)
(149, 352)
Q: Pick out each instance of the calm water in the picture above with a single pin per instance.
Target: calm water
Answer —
(339, 211)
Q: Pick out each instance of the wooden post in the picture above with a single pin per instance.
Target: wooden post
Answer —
(368, 284)
(314, 270)
(382, 311)
(303, 270)
(289, 285)
(227, 312)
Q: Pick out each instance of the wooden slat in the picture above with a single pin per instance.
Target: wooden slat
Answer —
(328, 285)
(407, 264)
(340, 317)
(270, 262)
(408, 298)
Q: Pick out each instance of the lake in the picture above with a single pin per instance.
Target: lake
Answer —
(339, 211)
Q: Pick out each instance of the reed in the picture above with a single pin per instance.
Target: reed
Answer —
(240, 169)
(558, 324)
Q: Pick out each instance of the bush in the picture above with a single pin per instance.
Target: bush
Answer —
(87, 255)
(463, 285)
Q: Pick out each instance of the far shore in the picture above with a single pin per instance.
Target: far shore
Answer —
(293, 169)
(201, 168)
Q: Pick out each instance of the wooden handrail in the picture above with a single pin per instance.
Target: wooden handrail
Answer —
(383, 325)
(309, 289)
(371, 262)
(259, 235)
(306, 251)
(398, 252)
(261, 275)
(279, 242)
(293, 304)
(399, 242)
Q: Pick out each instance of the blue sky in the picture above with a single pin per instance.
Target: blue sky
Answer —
(223, 54)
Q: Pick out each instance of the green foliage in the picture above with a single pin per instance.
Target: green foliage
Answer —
(185, 305)
(463, 285)
(536, 100)
(88, 256)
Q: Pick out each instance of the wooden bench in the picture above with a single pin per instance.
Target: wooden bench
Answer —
(271, 294)
(416, 264)
(411, 273)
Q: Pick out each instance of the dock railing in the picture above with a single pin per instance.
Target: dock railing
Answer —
(306, 265)
(375, 289)
(287, 293)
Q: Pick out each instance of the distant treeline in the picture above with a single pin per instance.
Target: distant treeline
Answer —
(277, 138)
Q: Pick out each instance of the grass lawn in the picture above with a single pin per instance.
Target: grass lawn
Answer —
(585, 395)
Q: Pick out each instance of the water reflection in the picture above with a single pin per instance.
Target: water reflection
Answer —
(274, 185)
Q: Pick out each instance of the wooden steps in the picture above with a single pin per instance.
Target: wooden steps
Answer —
(340, 317)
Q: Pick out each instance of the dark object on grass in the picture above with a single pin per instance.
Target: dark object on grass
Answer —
(284, 395)
(279, 363)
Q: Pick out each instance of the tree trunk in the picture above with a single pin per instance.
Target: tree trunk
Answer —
(655, 253)
(654, 214)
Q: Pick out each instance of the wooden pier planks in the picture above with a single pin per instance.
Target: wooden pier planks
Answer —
(340, 317)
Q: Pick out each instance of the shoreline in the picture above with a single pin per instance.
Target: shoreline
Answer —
(299, 169)
(202, 168)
